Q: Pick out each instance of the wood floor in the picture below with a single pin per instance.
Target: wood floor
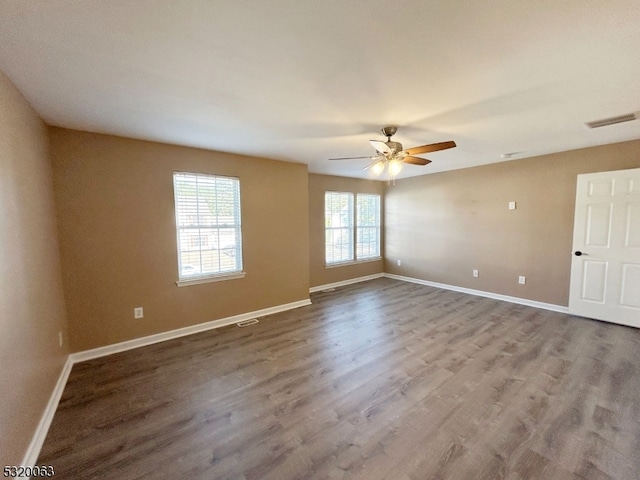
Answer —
(378, 380)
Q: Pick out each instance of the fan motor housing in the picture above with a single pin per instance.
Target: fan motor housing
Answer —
(395, 147)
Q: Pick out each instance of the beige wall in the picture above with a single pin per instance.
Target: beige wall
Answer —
(444, 225)
(118, 240)
(318, 184)
(116, 234)
(31, 301)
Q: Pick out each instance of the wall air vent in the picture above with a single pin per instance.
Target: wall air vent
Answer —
(613, 120)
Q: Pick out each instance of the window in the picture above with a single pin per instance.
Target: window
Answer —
(340, 235)
(208, 227)
(368, 226)
(338, 217)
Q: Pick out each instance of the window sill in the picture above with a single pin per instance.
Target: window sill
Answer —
(352, 262)
(209, 279)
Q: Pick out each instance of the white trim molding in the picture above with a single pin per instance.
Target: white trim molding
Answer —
(352, 262)
(33, 451)
(210, 278)
(346, 282)
(181, 332)
(481, 293)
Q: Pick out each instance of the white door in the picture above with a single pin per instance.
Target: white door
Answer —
(605, 270)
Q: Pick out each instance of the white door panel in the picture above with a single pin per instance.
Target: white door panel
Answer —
(630, 294)
(632, 227)
(605, 270)
(598, 228)
(594, 281)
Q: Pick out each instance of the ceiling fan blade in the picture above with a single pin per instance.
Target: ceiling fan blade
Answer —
(349, 158)
(380, 146)
(416, 160)
(432, 147)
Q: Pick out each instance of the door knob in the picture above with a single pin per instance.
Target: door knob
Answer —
(577, 253)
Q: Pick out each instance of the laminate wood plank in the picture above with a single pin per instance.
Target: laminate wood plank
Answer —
(377, 380)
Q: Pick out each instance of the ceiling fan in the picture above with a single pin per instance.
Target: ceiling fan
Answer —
(391, 154)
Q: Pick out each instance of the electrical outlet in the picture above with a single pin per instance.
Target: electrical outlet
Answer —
(512, 205)
(60, 339)
(138, 312)
(521, 280)
(476, 274)
(399, 262)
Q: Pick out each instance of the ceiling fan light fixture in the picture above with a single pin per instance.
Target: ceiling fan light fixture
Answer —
(395, 166)
(378, 168)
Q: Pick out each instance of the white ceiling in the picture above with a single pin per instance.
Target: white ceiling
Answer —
(306, 80)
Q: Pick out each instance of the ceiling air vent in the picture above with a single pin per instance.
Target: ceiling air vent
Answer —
(613, 120)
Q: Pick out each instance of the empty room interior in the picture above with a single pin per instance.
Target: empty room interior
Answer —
(320, 240)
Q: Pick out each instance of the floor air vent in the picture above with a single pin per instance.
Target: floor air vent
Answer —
(246, 323)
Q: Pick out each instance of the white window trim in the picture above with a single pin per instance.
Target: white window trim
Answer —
(210, 278)
(378, 227)
(350, 226)
(352, 262)
(356, 260)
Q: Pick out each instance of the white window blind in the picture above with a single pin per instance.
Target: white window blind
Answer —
(367, 226)
(343, 242)
(338, 215)
(208, 225)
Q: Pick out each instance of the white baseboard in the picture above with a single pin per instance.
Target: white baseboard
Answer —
(481, 293)
(33, 451)
(181, 332)
(346, 282)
